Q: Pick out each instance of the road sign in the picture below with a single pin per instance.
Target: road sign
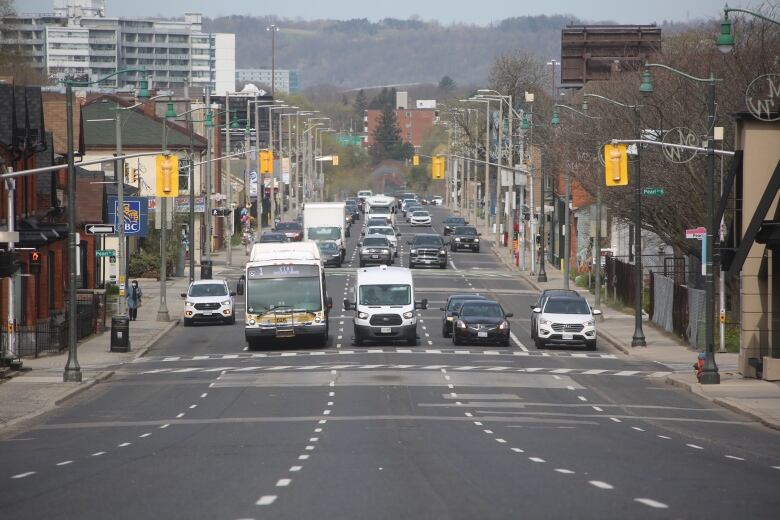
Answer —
(653, 192)
(697, 233)
(105, 253)
(100, 229)
(136, 214)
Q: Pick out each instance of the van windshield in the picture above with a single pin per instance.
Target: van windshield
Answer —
(324, 233)
(391, 294)
(380, 210)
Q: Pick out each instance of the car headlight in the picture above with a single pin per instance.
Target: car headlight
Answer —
(413, 251)
(408, 315)
(589, 323)
(362, 315)
(476, 240)
(457, 240)
(450, 318)
(545, 322)
(442, 251)
(189, 304)
(504, 325)
(460, 324)
(226, 302)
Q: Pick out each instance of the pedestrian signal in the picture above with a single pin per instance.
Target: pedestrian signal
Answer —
(167, 176)
(616, 164)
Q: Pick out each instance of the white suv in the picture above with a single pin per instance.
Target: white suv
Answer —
(209, 300)
(566, 321)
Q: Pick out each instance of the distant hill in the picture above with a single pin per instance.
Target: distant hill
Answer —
(357, 53)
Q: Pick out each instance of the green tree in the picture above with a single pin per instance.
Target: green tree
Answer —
(383, 99)
(361, 103)
(387, 138)
(447, 84)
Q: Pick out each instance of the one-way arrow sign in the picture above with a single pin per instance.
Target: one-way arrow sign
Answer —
(100, 229)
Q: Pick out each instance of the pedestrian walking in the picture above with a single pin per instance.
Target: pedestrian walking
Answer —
(134, 295)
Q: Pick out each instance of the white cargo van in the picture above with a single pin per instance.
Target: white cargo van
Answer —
(384, 305)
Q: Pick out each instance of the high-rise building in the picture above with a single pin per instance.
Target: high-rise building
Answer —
(79, 41)
(287, 81)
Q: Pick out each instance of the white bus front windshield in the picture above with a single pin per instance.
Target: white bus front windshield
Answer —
(283, 294)
(385, 294)
(324, 233)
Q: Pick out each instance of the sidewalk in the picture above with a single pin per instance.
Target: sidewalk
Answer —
(754, 398)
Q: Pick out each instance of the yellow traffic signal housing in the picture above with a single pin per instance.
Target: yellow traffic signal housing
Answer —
(266, 161)
(616, 164)
(437, 167)
(335, 160)
(416, 160)
(167, 176)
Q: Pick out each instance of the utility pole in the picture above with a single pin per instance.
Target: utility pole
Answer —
(567, 231)
(209, 142)
(191, 185)
(486, 191)
(119, 173)
(10, 187)
(272, 222)
(228, 160)
(162, 311)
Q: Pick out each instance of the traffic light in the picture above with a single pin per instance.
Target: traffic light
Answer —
(335, 159)
(416, 160)
(35, 262)
(266, 161)
(616, 164)
(167, 176)
(437, 167)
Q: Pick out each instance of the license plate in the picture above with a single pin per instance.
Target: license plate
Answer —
(282, 320)
(375, 256)
(385, 330)
(482, 334)
(207, 313)
(567, 336)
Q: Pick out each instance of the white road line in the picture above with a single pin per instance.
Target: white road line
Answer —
(193, 406)
(283, 482)
(144, 435)
(477, 423)
(326, 412)
(535, 459)
(317, 430)
(500, 441)
(626, 373)
(637, 428)
(266, 500)
(569, 388)
(518, 450)
(732, 457)
(651, 503)
(64, 463)
(556, 377)
(694, 446)
(204, 394)
(564, 471)
(331, 394)
(309, 448)
(303, 457)
(314, 439)
(295, 468)
(164, 426)
(597, 409)
(489, 432)
(601, 485)
(663, 437)
(582, 398)
(180, 415)
(615, 419)
(98, 453)
(23, 475)
(124, 444)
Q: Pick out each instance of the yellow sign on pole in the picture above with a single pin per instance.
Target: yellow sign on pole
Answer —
(335, 160)
(266, 161)
(167, 176)
(438, 165)
(416, 160)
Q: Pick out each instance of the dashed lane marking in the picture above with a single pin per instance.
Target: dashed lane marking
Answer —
(266, 500)
(24, 475)
(651, 503)
(600, 484)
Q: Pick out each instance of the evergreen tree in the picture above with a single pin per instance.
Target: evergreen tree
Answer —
(387, 136)
(447, 84)
(361, 103)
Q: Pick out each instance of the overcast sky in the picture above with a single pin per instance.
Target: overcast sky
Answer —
(445, 11)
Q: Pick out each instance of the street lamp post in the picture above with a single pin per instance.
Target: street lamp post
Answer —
(725, 40)
(710, 373)
(273, 29)
(528, 124)
(486, 191)
(162, 311)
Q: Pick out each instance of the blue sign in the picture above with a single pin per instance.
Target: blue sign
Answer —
(136, 215)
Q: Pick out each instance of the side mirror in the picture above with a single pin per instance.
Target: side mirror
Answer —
(422, 304)
(509, 315)
(597, 312)
(443, 309)
(533, 306)
(329, 302)
(537, 310)
(232, 293)
(184, 295)
(347, 305)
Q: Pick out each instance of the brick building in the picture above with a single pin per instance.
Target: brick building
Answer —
(413, 123)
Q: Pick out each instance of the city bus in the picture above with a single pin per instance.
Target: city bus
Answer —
(285, 294)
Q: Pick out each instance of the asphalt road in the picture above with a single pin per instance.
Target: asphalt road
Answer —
(202, 428)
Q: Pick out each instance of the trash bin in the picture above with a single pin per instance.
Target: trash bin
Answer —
(205, 269)
(120, 334)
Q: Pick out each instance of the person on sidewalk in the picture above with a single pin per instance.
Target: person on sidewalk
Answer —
(134, 295)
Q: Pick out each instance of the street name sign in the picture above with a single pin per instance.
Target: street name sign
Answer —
(653, 192)
(100, 229)
(105, 253)
(697, 233)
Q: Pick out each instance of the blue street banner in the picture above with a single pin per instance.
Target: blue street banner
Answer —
(136, 215)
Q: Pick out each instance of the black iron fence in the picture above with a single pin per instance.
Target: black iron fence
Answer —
(620, 281)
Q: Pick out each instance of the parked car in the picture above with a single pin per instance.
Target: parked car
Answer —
(566, 321)
(271, 236)
(451, 222)
(420, 218)
(453, 304)
(375, 249)
(209, 301)
(293, 230)
(427, 249)
(481, 322)
(541, 301)
(330, 253)
(464, 237)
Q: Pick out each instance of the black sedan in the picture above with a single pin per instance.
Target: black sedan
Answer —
(481, 322)
(450, 223)
(453, 305)
(464, 237)
(354, 211)
(272, 236)
(330, 254)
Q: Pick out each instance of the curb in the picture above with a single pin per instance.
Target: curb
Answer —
(101, 376)
(143, 351)
(720, 401)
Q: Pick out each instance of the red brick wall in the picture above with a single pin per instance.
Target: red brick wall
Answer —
(420, 120)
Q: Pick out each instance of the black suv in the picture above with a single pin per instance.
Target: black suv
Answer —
(427, 249)
(450, 223)
(465, 237)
